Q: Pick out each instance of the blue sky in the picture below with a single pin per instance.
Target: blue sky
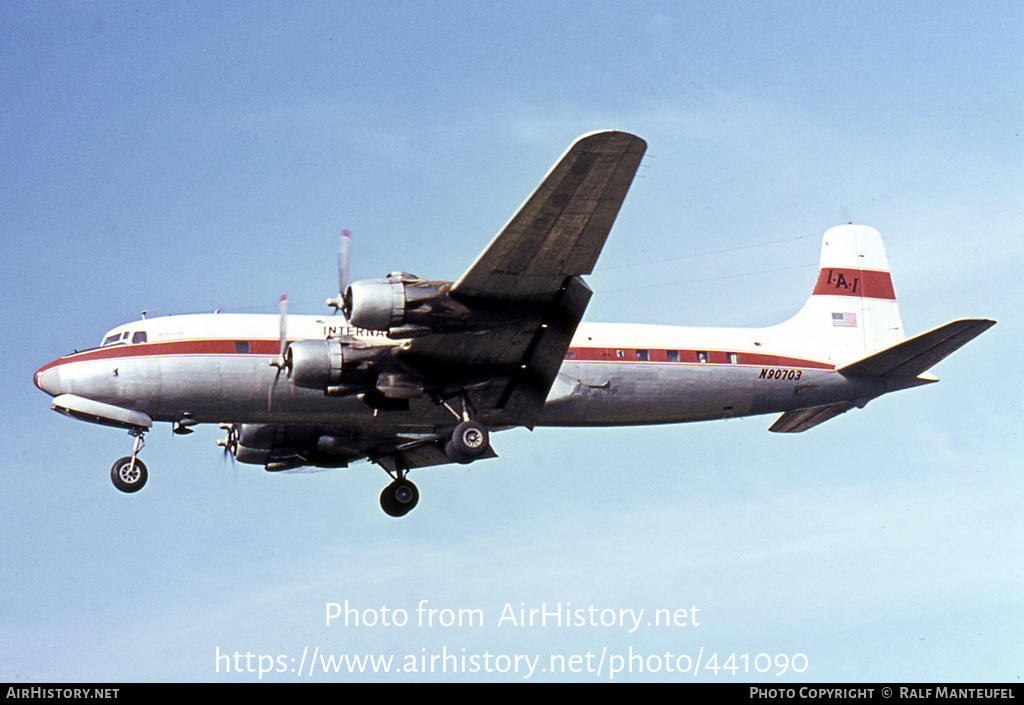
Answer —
(180, 158)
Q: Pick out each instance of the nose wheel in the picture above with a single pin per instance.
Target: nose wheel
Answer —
(129, 473)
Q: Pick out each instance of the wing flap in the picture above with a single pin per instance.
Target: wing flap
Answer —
(526, 391)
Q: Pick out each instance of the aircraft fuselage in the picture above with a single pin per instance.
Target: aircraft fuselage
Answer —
(214, 368)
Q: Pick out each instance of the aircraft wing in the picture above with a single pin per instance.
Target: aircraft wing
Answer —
(525, 289)
(560, 230)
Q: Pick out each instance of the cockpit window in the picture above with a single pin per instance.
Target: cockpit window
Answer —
(124, 337)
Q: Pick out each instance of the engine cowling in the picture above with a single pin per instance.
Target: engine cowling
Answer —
(315, 364)
(331, 364)
(402, 303)
(375, 304)
(280, 447)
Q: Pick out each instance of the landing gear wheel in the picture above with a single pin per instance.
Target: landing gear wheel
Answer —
(469, 441)
(126, 477)
(399, 498)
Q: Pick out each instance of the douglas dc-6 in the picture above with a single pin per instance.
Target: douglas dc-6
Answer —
(417, 373)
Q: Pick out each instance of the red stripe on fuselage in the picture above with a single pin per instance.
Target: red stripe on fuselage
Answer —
(862, 283)
(170, 348)
(226, 348)
(710, 357)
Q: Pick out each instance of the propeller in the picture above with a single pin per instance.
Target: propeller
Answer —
(281, 361)
(344, 246)
(230, 445)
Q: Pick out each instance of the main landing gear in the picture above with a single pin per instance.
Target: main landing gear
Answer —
(399, 498)
(129, 473)
(469, 441)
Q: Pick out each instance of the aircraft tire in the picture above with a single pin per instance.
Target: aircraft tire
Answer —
(399, 498)
(126, 480)
(469, 441)
(454, 456)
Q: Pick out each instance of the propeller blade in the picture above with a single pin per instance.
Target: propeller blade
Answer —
(281, 361)
(343, 250)
(270, 391)
(230, 445)
(230, 442)
(344, 246)
(284, 327)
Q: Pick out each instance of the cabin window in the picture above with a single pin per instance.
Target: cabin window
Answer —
(571, 355)
(139, 337)
(733, 358)
(672, 355)
(643, 355)
(702, 356)
(241, 347)
(620, 354)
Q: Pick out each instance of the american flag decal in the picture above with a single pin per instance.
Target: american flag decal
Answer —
(844, 320)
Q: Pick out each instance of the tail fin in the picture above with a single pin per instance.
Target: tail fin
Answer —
(852, 311)
(852, 320)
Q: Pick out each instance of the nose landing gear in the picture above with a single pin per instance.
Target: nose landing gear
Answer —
(129, 473)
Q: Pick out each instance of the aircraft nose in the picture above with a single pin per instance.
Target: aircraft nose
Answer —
(47, 378)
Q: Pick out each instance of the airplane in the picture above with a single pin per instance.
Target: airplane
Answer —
(417, 373)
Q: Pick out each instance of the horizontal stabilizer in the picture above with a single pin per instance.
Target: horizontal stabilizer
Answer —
(916, 355)
(904, 361)
(803, 419)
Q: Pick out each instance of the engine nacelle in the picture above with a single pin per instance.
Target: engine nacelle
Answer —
(404, 303)
(315, 364)
(375, 304)
(254, 443)
(330, 364)
(280, 446)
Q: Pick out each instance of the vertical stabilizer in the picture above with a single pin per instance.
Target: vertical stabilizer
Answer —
(852, 311)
